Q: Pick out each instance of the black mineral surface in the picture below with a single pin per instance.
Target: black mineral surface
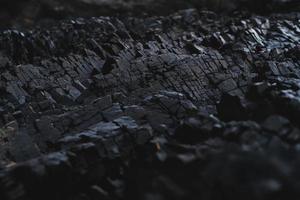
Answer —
(149, 99)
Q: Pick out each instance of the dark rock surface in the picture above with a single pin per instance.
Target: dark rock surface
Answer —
(159, 101)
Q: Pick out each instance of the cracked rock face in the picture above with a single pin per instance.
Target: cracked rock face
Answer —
(130, 100)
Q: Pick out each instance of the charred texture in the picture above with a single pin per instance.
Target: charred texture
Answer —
(164, 100)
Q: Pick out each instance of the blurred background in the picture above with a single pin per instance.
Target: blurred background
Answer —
(25, 13)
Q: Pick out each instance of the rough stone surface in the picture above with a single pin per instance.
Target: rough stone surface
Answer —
(150, 103)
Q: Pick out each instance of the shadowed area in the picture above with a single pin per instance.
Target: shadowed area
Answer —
(26, 13)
